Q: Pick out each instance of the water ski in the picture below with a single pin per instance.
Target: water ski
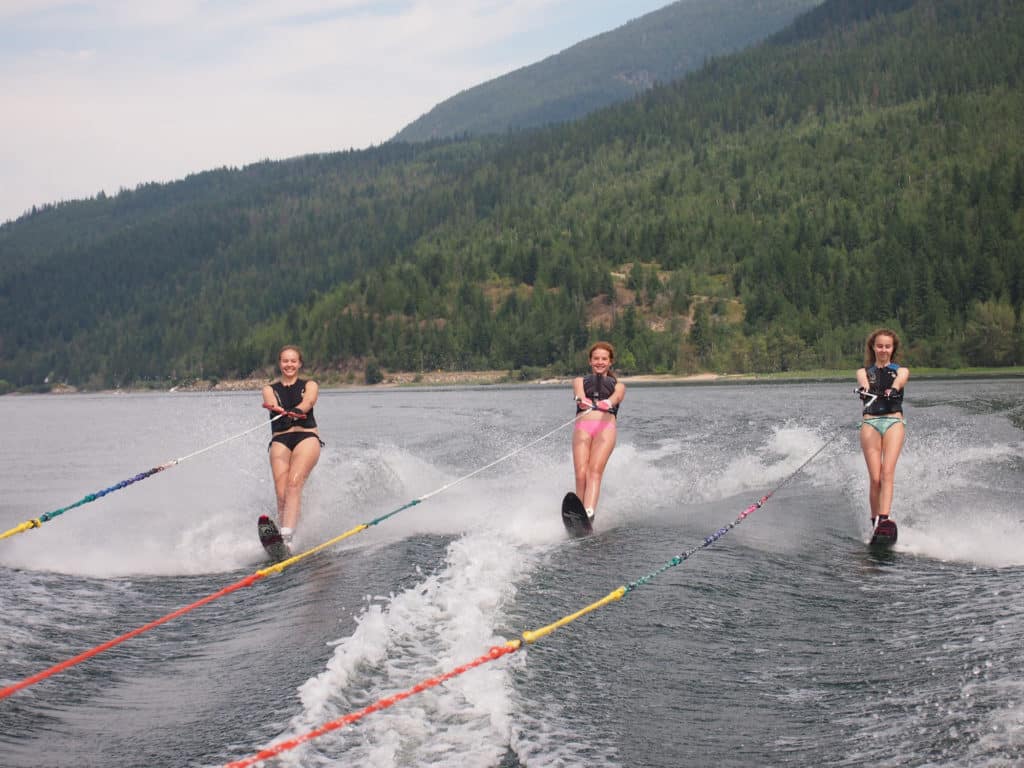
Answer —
(574, 516)
(270, 538)
(884, 535)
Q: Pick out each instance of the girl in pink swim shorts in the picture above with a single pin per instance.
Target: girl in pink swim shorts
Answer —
(598, 396)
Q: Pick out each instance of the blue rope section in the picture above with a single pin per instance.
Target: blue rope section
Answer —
(100, 494)
(709, 540)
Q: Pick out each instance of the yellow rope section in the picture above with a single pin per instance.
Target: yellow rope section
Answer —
(528, 636)
(536, 634)
(27, 525)
(278, 567)
(511, 646)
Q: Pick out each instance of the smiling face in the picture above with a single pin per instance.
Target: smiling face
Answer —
(600, 360)
(883, 348)
(289, 361)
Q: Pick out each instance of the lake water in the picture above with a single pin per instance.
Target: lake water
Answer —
(784, 643)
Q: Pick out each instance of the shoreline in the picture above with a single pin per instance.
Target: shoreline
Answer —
(506, 378)
(400, 380)
(445, 379)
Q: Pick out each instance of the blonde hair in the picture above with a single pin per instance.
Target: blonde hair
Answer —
(869, 348)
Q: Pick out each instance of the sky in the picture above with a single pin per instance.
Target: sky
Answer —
(109, 94)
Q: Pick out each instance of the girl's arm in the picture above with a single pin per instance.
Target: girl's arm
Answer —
(619, 394)
(580, 394)
(309, 396)
(901, 378)
(269, 399)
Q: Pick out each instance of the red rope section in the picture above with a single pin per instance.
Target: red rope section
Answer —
(496, 652)
(5, 692)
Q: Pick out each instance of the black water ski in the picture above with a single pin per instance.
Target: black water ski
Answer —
(574, 516)
(884, 535)
(271, 540)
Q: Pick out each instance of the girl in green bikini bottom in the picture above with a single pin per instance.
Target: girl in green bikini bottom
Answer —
(881, 383)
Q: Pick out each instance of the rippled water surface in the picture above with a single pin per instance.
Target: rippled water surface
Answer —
(783, 643)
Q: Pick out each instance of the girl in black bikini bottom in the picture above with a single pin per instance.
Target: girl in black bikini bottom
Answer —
(290, 439)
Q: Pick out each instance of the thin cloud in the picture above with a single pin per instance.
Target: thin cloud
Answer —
(108, 94)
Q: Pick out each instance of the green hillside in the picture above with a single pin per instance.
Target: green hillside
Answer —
(865, 166)
(613, 67)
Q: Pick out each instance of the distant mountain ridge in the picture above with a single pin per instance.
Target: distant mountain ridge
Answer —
(607, 69)
(863, 167)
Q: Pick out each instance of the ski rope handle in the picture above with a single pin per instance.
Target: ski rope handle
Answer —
(862, 392)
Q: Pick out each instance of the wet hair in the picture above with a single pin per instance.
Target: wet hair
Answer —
(292, 348)
(869, 347)
(602, 345)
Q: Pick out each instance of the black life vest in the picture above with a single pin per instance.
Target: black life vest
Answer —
(289, 396)
(879, 380)
(598, 387)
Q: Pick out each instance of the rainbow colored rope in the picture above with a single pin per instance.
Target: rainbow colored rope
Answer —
(252, 578)
(38, 521)
(527, 637)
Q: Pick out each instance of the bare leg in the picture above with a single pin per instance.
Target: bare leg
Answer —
(871, 445)
(581, 443)
(881, 454)
(892, 444)
(280, 459)
(290, 470)
(601, 446)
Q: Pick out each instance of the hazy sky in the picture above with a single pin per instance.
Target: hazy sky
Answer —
(104, 94)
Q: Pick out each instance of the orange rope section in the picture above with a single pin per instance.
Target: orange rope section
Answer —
(248, 580)
(528, 637)
(276, 568)
(496, 652)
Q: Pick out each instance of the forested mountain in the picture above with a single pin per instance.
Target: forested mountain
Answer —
(607, 69)
(864, 166)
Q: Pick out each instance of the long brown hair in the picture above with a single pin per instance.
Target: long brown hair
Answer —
(869, 349)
